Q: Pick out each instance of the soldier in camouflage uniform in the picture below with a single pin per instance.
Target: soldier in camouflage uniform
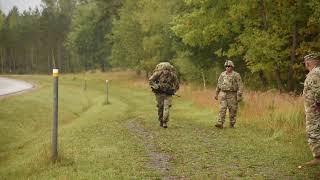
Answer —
(230, 88)
(311, 93)
(164, 83)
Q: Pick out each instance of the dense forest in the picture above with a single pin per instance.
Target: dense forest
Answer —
(265, 39)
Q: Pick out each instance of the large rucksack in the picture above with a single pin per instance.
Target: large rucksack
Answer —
(168, 82)
(164, 79)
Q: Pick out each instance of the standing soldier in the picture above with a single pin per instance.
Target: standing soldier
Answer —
(230, 86)
(164, 83)
(311, 93)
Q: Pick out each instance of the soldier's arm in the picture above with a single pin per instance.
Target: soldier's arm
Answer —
(314, 85)
(218, 85)
(153, 80)
(312, 91)
(240, 85)
(154, 77)
(177, 82)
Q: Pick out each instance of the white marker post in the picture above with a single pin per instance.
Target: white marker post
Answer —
(54, 152)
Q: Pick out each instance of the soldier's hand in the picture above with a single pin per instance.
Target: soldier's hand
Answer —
(239, 98)
(318, 106)
(216, 97)
(155, 86)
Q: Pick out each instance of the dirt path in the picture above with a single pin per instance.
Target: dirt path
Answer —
(159, 160)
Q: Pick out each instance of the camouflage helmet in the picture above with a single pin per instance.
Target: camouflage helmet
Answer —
(312, 56)
(228, 63)
(164, 65)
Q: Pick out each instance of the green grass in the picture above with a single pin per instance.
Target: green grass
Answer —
(116, 141)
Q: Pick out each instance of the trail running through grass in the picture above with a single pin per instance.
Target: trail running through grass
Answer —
(123, 140)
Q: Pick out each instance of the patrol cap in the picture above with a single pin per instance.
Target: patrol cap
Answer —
(228, 63)
(312, 56)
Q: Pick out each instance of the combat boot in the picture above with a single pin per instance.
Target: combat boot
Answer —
(313, 162)
(161, 124)
(165, 125)
(231, 125)
(220, 126)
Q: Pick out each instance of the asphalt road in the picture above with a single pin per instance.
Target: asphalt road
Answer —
(10, 86)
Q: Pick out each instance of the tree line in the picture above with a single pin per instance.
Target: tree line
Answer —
(265, 39)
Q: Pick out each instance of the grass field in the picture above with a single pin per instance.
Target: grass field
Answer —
(123, 140)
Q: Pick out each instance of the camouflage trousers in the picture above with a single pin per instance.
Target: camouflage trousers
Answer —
(228, 100)
(313, 130)
(163, 104)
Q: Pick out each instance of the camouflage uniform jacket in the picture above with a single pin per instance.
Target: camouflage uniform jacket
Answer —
(230, 83)
(164, 81)
(311, 91)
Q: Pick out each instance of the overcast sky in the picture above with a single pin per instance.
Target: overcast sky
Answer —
(6, 5)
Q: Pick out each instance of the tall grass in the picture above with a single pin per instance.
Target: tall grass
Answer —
(270, 111)
(273, 111)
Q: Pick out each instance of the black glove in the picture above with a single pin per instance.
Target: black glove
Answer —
(318, 106)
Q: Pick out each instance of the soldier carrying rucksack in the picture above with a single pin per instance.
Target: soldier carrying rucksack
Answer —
(164, 83)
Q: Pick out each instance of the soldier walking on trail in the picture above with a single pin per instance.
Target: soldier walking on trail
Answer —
(164, 83)
(311, 93)
(230, 88)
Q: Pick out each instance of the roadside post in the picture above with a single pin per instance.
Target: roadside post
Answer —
(85, 84)
(107, 92)
(54, 150)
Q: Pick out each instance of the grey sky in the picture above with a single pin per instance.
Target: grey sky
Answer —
(6, 5)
